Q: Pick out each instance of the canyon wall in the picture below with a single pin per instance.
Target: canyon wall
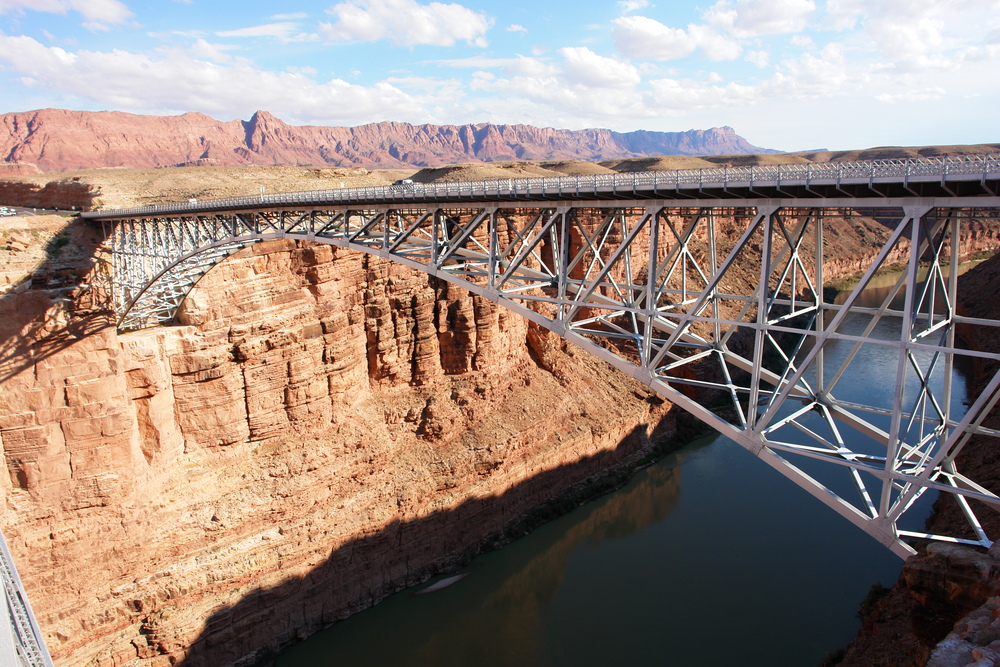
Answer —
(323, 429)
(66, 195)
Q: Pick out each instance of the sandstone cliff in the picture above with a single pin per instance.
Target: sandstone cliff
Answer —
(323, 429)
(60, 140)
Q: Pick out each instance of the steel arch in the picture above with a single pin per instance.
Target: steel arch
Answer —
(655, 290)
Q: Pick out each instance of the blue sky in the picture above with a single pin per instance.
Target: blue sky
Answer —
(786, 74)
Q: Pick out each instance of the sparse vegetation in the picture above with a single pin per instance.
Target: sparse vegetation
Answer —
(54, 247)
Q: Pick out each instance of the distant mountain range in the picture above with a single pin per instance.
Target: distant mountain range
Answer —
(52, 140)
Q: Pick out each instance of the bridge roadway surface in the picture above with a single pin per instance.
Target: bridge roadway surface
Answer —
(631, 268)
(806, 184)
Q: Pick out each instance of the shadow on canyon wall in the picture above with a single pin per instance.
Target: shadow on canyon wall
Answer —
(64, 298)
(506, 616)
(365, 570)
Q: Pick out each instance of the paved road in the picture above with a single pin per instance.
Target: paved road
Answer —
(26, 211)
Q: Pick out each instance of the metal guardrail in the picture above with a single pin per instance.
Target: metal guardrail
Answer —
(872, 170)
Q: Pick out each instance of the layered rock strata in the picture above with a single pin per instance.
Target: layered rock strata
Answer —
(67, 195)
(323, 429)
(61, 140)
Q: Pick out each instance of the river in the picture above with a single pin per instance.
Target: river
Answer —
(708, 557)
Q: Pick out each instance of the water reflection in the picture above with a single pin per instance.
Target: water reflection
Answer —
(495, 616)
(880, 286)
(869, 378)
(658, 573)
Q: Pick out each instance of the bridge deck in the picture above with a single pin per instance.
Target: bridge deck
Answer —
(969, 177)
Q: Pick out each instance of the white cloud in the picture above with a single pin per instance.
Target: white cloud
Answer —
(551, 101)
(844, 14)
(450, 88)
(758, 58)
(628, 6)
(513, 27)
(750, 18)
(934, 54)
(923, 95)
(294, 16)
(827, 74)
(907, 37)
(643, 37)
(682, 96)
(919, 35)
(214, 52)
(585, 67)
(174, 80)
(405, 23)
(981, 53)
(477, 62)
(583, 88)
(97, 13)
(803, 42)
(524, 66)
(714, 45)
(284, 31)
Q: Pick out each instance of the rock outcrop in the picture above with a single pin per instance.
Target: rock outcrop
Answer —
(941, 613)
(322, 430)
(60, 140)
(975, 641)
(65, 195)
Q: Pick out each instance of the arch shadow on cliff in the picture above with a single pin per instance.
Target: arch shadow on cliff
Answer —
(365, 570)
(63, 299)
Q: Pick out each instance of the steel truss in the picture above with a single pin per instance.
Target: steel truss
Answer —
(718, 307)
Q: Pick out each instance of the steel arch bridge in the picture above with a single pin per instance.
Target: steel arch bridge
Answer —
(706, 285)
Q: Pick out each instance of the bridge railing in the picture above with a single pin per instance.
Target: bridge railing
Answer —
(706, 177)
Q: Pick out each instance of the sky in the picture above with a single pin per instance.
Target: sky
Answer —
(785, 74)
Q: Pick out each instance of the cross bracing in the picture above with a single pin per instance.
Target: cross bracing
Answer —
(716, 303)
